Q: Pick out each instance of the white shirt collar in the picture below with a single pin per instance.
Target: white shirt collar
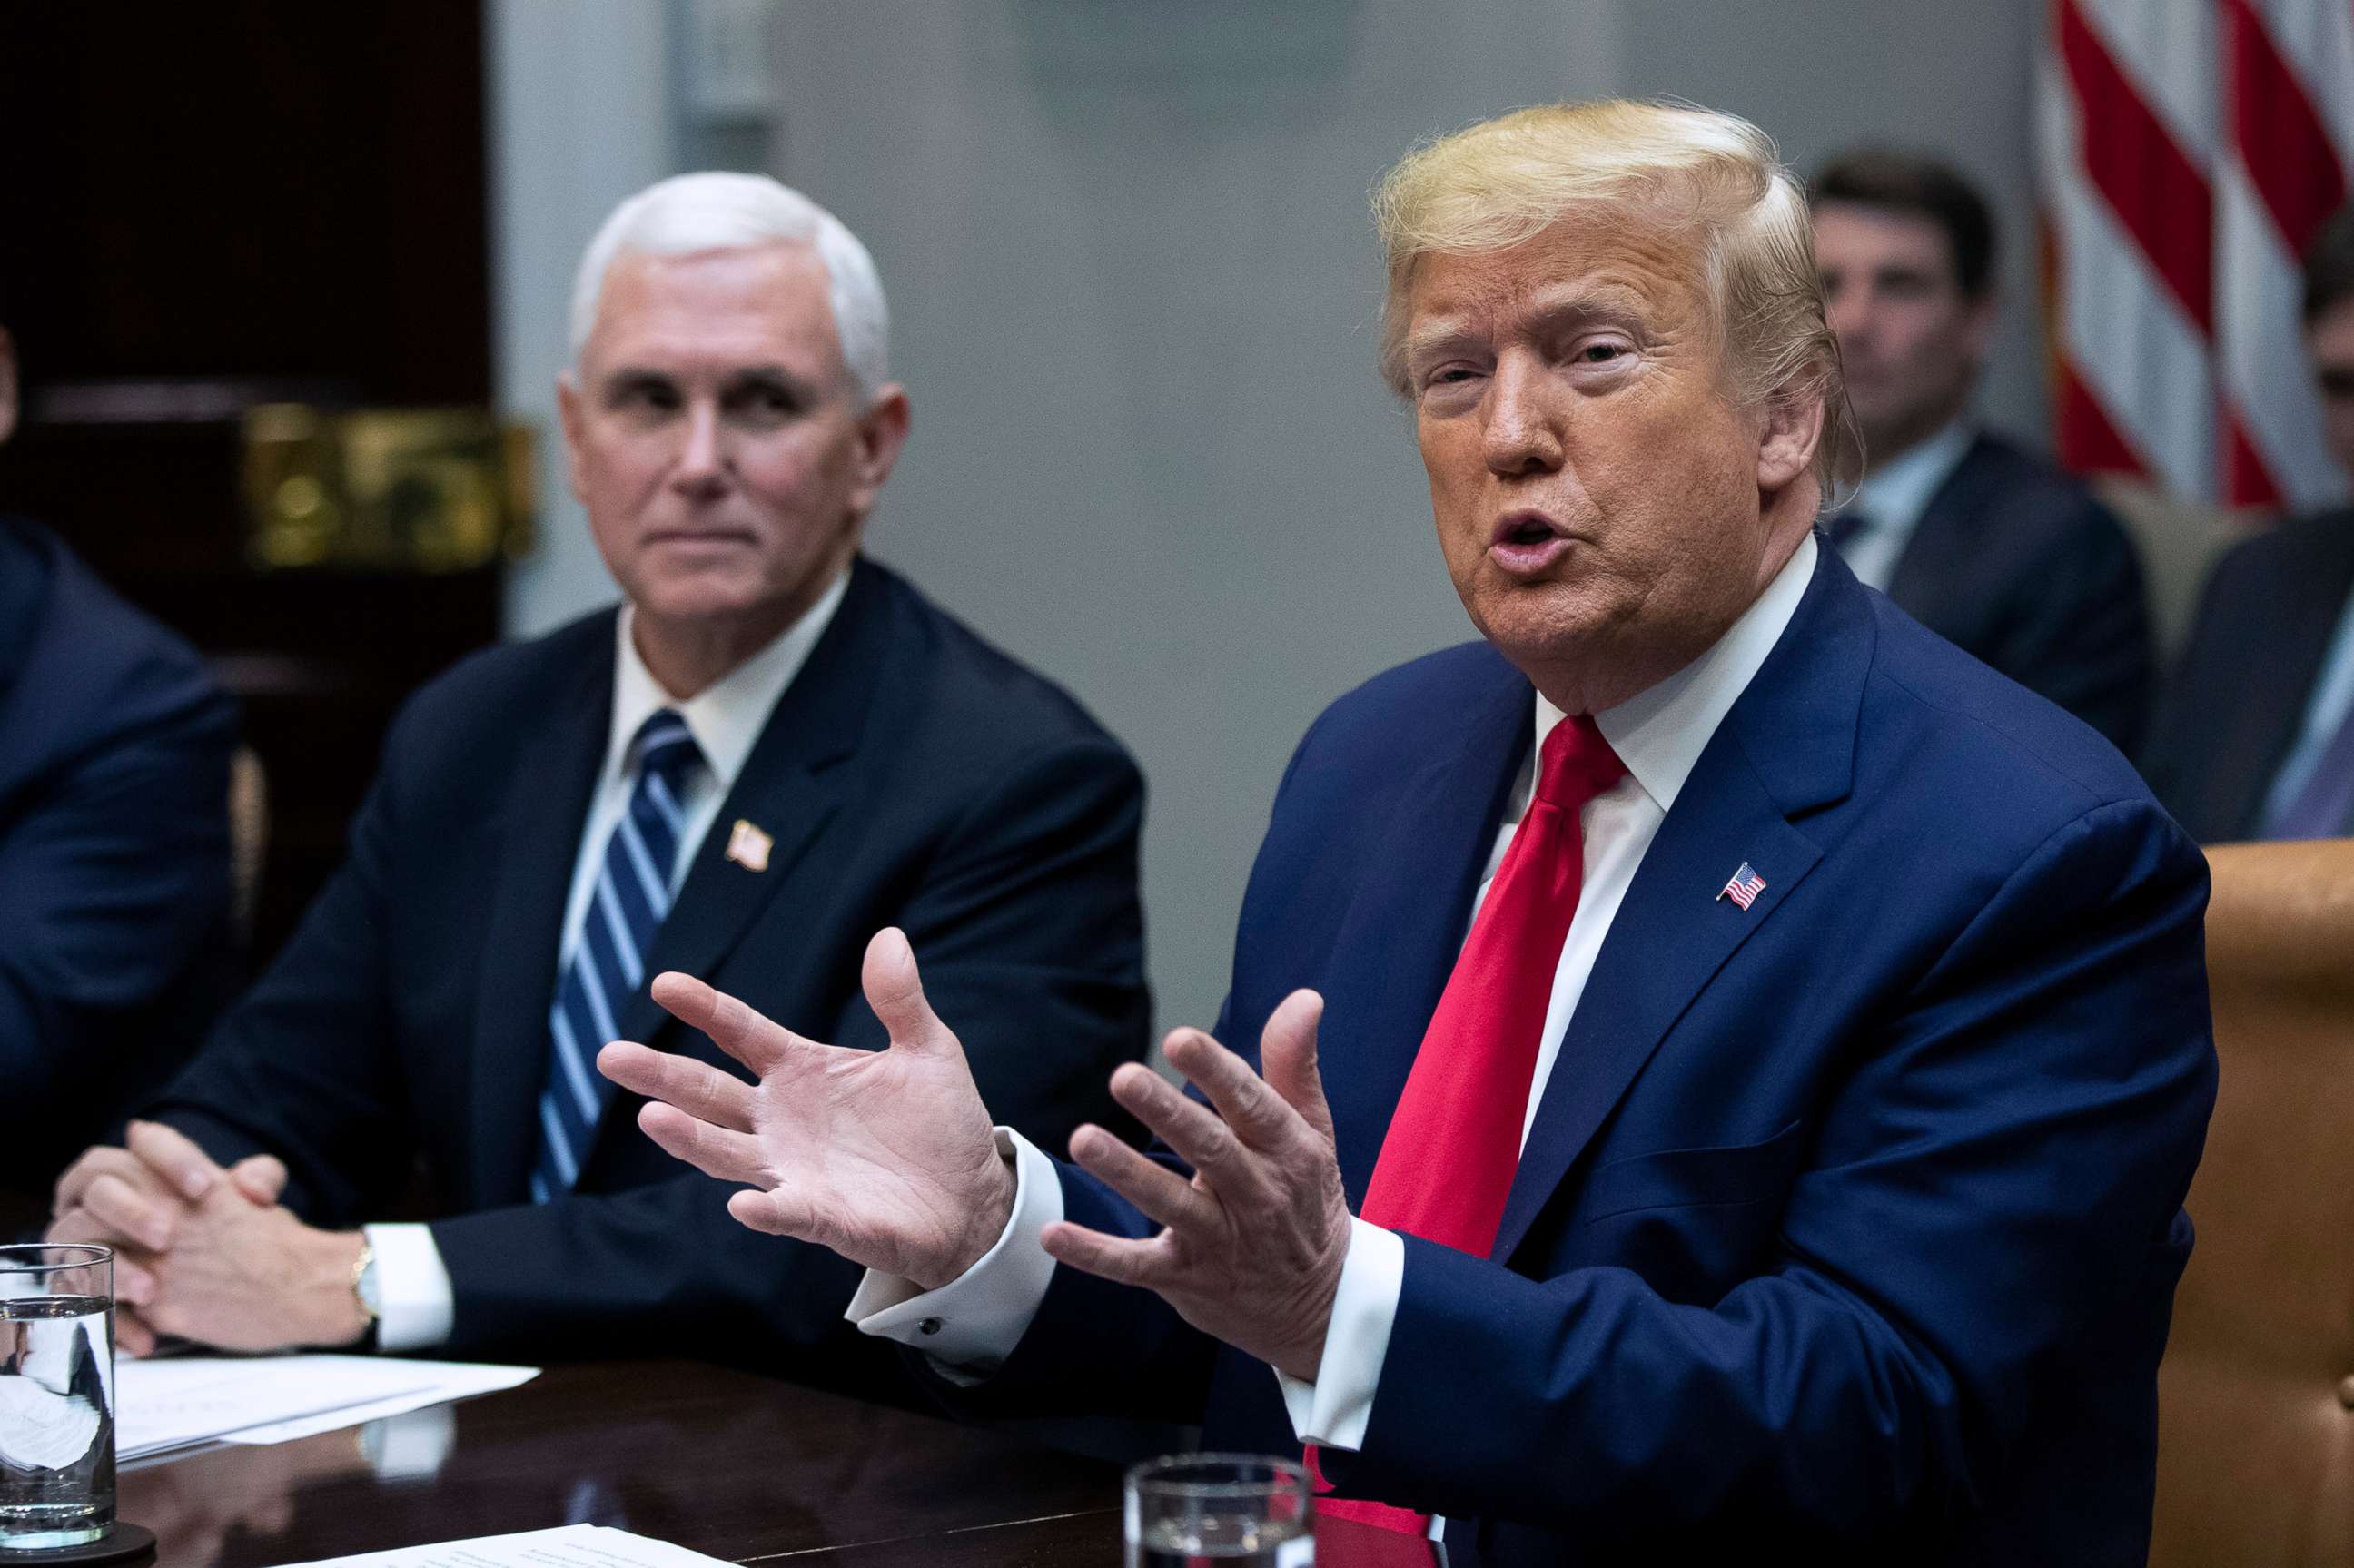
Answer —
(1894, 494)
(726, 716)
(1659, 733)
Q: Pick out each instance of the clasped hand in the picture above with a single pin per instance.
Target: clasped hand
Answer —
(889, 1158)
(204, 1253)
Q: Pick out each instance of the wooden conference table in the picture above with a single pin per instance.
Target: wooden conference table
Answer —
(738, 1466)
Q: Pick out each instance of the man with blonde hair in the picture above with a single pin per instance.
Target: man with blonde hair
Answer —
(1727, 1065)
(770, 746)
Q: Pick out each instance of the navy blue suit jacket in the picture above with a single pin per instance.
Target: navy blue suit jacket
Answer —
(115, 947)
(2236, 703)
(910, 775)
(2016, 562)
(1848, 1222)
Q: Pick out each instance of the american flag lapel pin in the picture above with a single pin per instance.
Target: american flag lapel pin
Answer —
(1744, 887)
(749, 847)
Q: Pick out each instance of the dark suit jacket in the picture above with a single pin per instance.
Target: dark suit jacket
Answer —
(911, 775)
(2238, 699)
(1849, 1222)
(115, 947)
(2016, 562)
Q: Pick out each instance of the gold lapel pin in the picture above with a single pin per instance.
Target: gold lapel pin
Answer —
(749, 847)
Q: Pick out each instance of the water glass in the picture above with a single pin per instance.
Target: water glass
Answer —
(1193, 1509)
(57, 1396)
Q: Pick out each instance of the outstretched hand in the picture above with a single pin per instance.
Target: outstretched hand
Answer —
(884, 1157)
(1252, 1245)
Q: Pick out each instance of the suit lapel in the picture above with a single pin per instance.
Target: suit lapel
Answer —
(536, 842)
(1398, 941)
(2284, 659)
(794, 783)
(1938, 555)
(1786, 747)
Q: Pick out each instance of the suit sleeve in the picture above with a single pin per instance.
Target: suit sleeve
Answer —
(2079, 634)
(1028, 928)
(305, 1067)
(114, 883)
(1998, 1175)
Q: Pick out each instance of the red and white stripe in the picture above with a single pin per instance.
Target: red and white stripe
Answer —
(2189, 150)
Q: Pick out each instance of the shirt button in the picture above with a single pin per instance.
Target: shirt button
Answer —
(928, 1326)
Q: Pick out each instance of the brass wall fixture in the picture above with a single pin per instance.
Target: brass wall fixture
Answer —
(428, 489)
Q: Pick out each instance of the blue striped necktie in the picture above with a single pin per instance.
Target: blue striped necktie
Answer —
(608, 963)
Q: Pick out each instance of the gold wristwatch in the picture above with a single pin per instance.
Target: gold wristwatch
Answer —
(365, 1288)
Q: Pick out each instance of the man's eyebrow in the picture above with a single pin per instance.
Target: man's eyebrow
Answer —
(631, 378)
(774, 375)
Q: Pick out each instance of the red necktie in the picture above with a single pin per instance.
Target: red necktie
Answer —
(1447, 1164)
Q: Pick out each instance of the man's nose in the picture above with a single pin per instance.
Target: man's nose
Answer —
(702, 462)
(1521, 435)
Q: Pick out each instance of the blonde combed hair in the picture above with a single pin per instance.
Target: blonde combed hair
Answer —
(1504, 180)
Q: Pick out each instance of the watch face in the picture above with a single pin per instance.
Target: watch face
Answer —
(371, 1292)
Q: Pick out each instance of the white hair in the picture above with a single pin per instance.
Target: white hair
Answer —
(688, 214)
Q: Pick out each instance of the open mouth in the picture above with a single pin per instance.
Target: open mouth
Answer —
(1526, 542)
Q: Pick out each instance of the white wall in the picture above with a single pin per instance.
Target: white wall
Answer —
(1135, 285)
(580, 116)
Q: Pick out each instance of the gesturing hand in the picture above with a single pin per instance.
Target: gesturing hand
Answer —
(885, 1157)
(1252, 1245)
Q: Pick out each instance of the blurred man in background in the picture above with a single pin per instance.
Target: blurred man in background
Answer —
(2255, 736)
(1985, 545)
(772, 746)
(116, 941)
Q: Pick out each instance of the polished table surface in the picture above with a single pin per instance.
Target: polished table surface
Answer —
(722, 1462)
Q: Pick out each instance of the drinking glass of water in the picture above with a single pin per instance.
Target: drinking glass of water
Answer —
(57, 1396)
(1193, 1511)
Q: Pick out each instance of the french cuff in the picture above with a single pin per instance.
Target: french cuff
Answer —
(1333, 1411)
(414, 1286)
(968, 1327)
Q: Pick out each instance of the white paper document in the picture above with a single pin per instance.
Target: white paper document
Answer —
(177, 1401)
(569, 1546)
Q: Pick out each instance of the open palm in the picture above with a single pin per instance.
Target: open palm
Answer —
(885, 1157)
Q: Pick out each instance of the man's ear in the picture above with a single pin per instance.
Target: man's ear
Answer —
(882, 433)
(574, 419)
(1791, 431)
(7, 385)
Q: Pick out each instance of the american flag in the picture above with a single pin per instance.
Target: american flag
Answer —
(1745, 886)
(2189, 150)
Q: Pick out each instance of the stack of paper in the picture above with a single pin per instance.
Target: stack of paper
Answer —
(558, 1547)
(178, 1402)
(569, 1546)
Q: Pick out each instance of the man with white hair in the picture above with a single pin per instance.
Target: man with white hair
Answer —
(774, 745)
(1711, 1069)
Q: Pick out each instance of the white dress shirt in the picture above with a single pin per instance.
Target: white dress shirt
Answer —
(971, 1325)
(725, 719)
(1893, 497)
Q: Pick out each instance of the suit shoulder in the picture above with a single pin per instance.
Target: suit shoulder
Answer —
(489, 683)
(128, 669)
(966, 687)
(1421, 700)
(2034, 500)
(2295, 545)
(1977, 737)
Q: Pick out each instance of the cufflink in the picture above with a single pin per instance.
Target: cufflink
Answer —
(928, 1326)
